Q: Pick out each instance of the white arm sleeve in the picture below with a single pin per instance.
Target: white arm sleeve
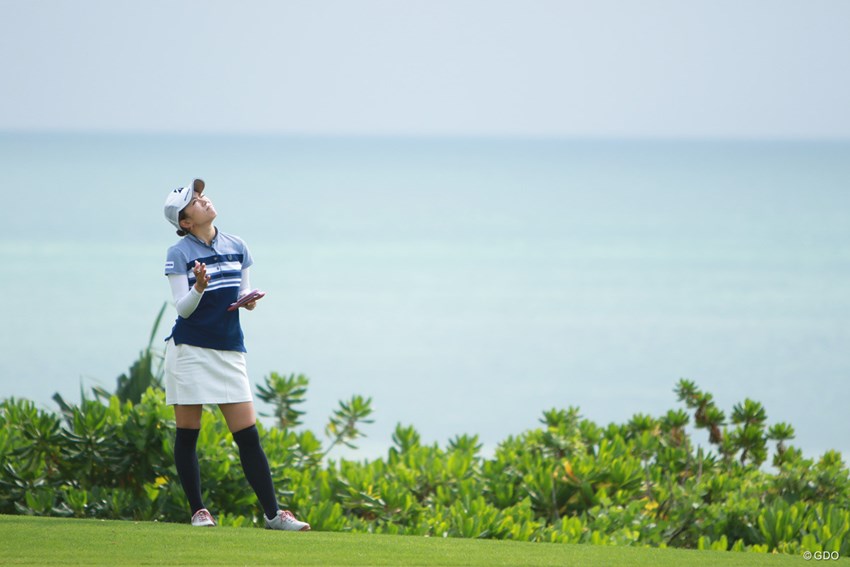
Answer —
(186, 299)
(245, 286)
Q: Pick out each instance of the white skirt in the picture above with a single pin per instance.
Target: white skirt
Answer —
(197, 375)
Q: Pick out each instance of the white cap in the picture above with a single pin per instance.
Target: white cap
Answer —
(179, 198)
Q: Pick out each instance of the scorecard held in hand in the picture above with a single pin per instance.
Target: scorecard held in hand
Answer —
(246, 299)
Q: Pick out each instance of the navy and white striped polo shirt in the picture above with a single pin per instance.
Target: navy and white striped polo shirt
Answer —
(211, 325)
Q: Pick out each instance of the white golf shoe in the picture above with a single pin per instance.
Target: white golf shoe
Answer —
(284, 520)
(202, 518)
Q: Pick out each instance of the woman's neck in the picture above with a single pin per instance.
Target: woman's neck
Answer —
(205, 233)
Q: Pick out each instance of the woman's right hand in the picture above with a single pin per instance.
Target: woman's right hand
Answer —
(201, 277)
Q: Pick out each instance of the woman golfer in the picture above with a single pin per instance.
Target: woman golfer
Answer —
(205, 354)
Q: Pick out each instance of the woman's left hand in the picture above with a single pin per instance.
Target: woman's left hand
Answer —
(250, 306)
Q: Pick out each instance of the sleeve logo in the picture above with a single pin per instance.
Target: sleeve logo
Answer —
(169, 265)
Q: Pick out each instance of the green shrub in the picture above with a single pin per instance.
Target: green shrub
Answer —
(643, 482)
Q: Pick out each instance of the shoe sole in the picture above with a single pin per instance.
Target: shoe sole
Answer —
(304, 529)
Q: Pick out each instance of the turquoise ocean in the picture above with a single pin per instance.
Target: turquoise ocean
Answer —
(465, 285)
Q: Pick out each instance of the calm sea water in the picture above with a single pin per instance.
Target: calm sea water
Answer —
(465, 285)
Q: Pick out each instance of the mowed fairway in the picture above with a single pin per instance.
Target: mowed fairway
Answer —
(53, 541)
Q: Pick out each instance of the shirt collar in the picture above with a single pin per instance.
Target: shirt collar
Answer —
(201, 242)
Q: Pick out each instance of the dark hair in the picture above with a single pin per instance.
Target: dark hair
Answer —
(180, 216)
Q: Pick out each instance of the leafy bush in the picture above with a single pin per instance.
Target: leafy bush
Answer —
(570, 480)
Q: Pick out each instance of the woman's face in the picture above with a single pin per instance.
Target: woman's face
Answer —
(199, 211)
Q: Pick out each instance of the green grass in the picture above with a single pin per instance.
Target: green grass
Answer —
(26, 540)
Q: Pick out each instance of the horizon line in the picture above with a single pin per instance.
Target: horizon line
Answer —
(259, 134)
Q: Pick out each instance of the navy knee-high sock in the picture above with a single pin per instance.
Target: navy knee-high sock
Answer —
(256, 468)
(186, 460)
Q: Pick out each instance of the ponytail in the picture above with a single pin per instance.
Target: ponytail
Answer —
(180, 217)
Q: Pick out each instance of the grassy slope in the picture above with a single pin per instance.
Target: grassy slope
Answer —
(52, 541)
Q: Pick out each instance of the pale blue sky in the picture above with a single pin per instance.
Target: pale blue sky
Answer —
(601, 68)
